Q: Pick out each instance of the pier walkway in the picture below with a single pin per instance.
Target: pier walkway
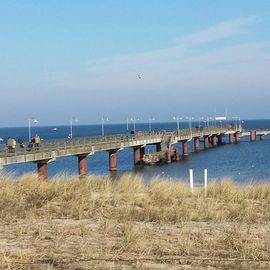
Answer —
(83, 147)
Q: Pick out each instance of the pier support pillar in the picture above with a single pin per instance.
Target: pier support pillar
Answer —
(197, 144)
(206, 142)
(112, 160)
(169, 154)
(177, 154)
(158, 147)
(142, 152)
(214, 140)
(185, 149)
(42, 167)
(82, 165)
(137, 155)
(237, 137)
(253, 135)
(261, 137)
(220, 139)
(230, 138)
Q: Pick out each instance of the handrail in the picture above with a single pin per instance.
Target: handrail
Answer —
(102, 141)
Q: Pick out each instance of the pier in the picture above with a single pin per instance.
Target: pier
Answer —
(83, 147)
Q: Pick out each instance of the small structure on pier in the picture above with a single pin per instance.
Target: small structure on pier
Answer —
(154, 158)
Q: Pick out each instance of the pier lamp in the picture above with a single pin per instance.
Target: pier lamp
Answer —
(103, 120)
(237, 120)
(190, 118)
(200, 118)
(210, 119)
(177, 118)
(127, 123)
(207, 121)
(150, 123)
(31, 121)
(75, 120)
(241, 124)
(134, 119)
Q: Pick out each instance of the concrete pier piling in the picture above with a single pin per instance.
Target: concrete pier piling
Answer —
(237, 137)
(220, 139)
(142, 152)
(185, 149)
(112, 160)
(137, 155)
(253, 135)
(206, 142)
(82, 165)
(214, 140)
(177, 154)
(169, 154)
(197, 144)
(42, 167)
(231, 138)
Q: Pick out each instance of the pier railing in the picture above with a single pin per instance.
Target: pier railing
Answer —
(109, 141)
(58, 144)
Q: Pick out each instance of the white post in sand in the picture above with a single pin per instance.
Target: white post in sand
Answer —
(205, 180)
(191, 180)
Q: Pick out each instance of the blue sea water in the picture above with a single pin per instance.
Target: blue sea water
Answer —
(242, 162)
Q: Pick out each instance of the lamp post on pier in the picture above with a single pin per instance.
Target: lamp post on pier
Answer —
(150, 123)
(103, 119)
(34, 121)
(177, 118)
(72, 119)
(200, 118)
(208, 121)
(237, 120)
(190, 118)
(134, 119)
(242, 122)
(127, 123)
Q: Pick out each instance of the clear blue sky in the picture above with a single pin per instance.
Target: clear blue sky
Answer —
(82, 58)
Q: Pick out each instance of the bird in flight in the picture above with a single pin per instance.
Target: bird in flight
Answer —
(139, 76)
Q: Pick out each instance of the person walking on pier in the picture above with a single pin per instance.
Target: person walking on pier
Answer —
(11, 145)
(21, 143)
(37, 141)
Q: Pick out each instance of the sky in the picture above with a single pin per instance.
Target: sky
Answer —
(125, 58)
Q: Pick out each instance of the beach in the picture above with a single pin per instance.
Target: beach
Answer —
(94, 223)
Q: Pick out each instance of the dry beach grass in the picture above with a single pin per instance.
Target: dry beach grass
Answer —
(94, 223)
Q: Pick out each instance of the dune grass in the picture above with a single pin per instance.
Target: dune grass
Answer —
(71, 219)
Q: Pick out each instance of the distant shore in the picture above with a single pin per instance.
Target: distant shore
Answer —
(94, 223)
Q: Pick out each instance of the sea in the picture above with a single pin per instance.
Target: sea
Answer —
(243, 162)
